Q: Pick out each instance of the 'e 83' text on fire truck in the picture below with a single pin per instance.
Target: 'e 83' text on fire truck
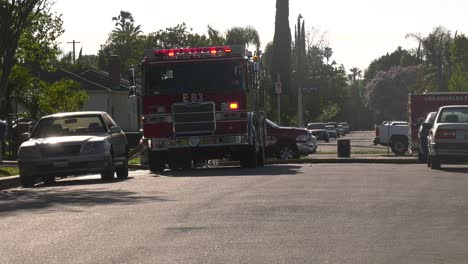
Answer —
(200, 104)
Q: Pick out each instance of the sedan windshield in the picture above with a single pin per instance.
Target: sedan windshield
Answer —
(68, 126)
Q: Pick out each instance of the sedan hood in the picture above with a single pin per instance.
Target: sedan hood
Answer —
(60, 140)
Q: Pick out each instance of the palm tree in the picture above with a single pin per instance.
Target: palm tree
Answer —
(215, 36)
(124, 23)
(356, 73)
(327, 53)
(418, 37)
(243, 36)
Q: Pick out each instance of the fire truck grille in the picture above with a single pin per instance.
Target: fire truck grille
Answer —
(194, 118)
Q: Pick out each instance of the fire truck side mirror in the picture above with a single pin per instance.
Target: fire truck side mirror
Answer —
(131, 77)
(131, 82)
(132, 92)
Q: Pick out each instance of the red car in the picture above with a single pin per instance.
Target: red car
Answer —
(288, 142)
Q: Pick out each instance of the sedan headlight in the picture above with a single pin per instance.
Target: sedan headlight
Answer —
(93, 147)
(29, 153)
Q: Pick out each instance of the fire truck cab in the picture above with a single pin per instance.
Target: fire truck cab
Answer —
(200, 104)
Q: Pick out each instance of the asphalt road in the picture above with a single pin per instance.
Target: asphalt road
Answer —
(340, 213)
(361, 142)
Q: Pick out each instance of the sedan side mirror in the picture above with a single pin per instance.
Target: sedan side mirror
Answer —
(115, 129)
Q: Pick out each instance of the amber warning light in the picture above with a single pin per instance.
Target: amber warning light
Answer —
(233, 106)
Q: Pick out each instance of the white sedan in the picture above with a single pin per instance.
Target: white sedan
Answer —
(448, 138)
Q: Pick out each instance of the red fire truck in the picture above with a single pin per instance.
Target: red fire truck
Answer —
(420, 105)
(200, 104)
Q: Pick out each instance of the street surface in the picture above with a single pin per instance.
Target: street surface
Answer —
(319, 213)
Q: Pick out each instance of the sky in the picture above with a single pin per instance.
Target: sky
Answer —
(358, 31)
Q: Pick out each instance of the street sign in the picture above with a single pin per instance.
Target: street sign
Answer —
(278, 87)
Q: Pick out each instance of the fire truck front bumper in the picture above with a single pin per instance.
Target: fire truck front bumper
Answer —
(162, 144)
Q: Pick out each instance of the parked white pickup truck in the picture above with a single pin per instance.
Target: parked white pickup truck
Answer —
(393, 133)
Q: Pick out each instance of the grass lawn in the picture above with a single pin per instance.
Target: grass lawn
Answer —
(8, 171)
(135, 161)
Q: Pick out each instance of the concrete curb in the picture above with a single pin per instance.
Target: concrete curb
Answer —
(9, 182)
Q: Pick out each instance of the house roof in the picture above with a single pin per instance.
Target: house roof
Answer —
(102, 78)
(60, 74)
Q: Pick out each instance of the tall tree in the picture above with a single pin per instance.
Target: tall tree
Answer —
(243, 36)
(281, 64)
(437, 59)
(395, 84)
(459, 61)
(125, 40)
(215, 36)
(125, 23)
(15, 17)
(356, 73)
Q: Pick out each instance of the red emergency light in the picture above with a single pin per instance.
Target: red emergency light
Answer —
(194, 51)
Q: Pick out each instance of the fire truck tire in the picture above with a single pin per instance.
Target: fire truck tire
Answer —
(27, 181)
(249, 158)
(155, 163)
(156, 166)
(184, 164)
(261, 157)
(48, 179)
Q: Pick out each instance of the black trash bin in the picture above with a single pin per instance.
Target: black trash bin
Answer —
(344, 148)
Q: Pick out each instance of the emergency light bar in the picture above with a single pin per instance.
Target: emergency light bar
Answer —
(172, 53)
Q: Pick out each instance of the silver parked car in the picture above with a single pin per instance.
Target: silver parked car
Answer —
(73, 143)
(448, 138)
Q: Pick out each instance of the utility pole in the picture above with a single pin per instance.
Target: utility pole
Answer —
(73, 42)
(278, 97)
(299, 72)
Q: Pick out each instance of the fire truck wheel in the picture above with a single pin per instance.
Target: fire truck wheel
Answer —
(156, 166)
(249, 158)
(181, 165)
(261, 157)
(27, 181)
(48, 179)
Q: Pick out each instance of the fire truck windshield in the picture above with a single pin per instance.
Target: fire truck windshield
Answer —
(176, 78)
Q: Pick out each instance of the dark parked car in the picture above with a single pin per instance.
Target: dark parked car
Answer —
(423, 132)
(321, 134)
(73, 144)
(319, 130)
(332, 131)
(288, 142)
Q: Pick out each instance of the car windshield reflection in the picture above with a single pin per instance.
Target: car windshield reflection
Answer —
(69, 126)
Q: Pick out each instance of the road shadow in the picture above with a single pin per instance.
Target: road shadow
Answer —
(43, 200)
(70, 181)
(455, 169)
(270, 170)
